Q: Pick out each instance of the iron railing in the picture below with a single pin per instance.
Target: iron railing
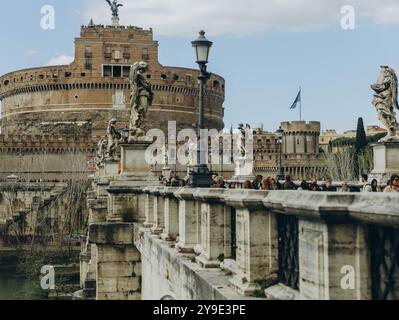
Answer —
(288, 250)
(384, 258)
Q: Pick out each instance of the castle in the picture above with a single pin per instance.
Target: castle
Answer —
(76, 101)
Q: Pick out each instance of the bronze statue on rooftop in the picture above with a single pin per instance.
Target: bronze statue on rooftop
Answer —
(114, 5)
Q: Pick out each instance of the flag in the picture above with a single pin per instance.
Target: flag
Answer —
(297, 100)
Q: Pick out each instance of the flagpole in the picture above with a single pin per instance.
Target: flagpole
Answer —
(300, 104)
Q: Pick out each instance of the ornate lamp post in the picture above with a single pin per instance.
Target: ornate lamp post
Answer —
(280, 173)
(199, 175)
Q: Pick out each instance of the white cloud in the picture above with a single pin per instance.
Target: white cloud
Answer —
(218, 17)
(62, 59)
(31, 52)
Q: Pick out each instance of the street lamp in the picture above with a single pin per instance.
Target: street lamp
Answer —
(280, 135)
(199, 175)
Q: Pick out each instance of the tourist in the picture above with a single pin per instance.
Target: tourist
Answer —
(344, 187)
(366, 186)
(314, 186)
(232, 185)
(247, 184)
(274, 184)
(218, 183)
(288, 184)
(304, 186)
(266, 184)
(257, 183)
(393, 184)
(328, 186)
(374, 186)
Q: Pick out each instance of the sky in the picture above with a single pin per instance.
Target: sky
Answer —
(265, 49)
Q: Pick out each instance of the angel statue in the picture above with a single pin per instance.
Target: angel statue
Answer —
(386, 101)
(114, 7)
(101, 150)
(140, 100)
(243, 136)
(113, 138)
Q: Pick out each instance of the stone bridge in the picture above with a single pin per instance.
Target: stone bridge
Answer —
(205, 244)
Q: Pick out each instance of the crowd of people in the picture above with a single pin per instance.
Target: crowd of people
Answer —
(268, 183)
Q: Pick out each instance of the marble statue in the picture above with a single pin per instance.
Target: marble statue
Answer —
(386, 101)
(113, 139)
(101, 151)
(140, 100)
(114, 5)
(242, 140)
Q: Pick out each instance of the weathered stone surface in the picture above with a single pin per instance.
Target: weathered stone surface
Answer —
(111, 233)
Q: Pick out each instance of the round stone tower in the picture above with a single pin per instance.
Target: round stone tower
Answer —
(80, 98)
(301, 137)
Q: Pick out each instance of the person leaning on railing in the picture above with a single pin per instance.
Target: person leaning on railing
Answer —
(374, 186)
(393, 184)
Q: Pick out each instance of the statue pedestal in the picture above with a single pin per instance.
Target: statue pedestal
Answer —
(386, 161)
(167, 172)
(134, 165)
(115, 21)
(244, 169)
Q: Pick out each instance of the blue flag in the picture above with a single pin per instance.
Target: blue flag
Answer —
(297, 100)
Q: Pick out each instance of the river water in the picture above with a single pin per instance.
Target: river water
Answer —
(11, 286)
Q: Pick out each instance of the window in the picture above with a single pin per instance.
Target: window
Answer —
(88, 52)
(144, 54)
(107, 71)
(117, 71)
(126, 71)
(88, 63)
(126, 53)
(67, 74)
(108, 52)
(164, 76)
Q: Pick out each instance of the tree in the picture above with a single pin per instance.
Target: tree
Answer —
(361, 139)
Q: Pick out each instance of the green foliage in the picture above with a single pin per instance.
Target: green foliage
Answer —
(365, 160)
(361, 139)
(376, 137)
(31, 290)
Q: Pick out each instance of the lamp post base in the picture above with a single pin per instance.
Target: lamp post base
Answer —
(200, 177)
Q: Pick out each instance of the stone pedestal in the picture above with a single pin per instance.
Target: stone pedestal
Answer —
(115, 21)
(118, 262)
(244, 169)
(134, 165)
(386, 161)
(167, 172)
(111, 168)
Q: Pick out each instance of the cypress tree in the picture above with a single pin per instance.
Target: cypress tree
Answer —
(361, 139)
